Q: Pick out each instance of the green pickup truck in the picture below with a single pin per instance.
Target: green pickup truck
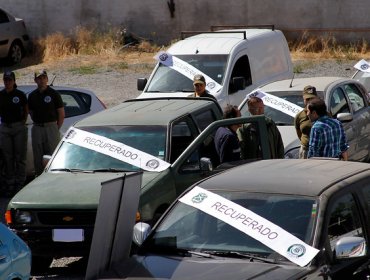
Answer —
(169, 139)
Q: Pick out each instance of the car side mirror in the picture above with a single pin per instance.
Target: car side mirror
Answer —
(206, 164)
(141, 83)
(45, 160)
(141, 232)
(350, 247)
(344, 117)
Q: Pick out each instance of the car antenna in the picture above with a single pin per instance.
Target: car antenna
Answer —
(291, 82)
(52, 81)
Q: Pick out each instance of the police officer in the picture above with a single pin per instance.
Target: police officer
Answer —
(47, 112)
(13, 133)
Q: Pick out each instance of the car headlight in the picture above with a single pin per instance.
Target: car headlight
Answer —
(22, 217)
(293, 153)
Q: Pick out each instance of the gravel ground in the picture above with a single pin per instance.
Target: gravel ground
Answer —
(114, 86)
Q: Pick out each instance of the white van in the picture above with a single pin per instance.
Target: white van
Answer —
(234, 62)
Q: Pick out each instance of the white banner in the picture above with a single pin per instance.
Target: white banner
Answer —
(186, 69)
(363, 66)
(277, 103)
(114, 149)
(251, 224)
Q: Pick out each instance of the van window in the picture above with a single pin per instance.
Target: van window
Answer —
(166, 79)
(241, 69)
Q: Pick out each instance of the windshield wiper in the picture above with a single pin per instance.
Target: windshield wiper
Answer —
(72, 170)
(233, 254)
(174, 250)
(111, 170)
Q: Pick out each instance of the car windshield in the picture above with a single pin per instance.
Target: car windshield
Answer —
(279, 117)
(148, 139)
(166, 79)
(364, 78)
(188, 228)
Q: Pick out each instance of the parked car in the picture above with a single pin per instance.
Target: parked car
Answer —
(233, 61)
(270, 219)
(345, 99)
(78, 103)
(14, 39)
(169, 140)
(15, 256)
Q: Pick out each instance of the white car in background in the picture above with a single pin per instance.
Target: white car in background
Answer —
(346, 100)
(78, 104)
(14, 39)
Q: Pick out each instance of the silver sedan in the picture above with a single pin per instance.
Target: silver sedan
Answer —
(14, 39)
(346, 100)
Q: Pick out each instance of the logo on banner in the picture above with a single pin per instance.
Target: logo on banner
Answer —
(211, 85)
(163, 56)
(153, 163)
(296, 250)
(364, 66)
(199, 198)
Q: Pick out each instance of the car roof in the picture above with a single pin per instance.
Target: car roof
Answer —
(150, 111)
(320, 83)
(29, 88)
(309, 177)
(218, 42)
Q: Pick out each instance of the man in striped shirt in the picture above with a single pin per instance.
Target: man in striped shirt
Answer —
(327, 137)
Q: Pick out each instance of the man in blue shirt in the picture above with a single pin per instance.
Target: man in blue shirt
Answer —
(226, 140)
(327, 138)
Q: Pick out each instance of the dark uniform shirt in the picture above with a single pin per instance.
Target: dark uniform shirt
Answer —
(205, 94)
(227, 145)
(12, 106)
(44, 105)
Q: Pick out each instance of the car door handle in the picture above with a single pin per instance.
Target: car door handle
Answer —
(2, 257)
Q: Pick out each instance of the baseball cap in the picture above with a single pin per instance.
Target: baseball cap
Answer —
(309, 92)
(40, 73)
(9, 75)
(199, 79)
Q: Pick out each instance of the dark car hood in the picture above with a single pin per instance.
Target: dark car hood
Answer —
(162, 267)
(67, 190)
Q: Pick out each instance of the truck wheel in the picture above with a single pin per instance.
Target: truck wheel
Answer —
(15, 54)
(41, 264)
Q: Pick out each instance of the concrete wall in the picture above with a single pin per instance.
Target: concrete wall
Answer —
(348, 20)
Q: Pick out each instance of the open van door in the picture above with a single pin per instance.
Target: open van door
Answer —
(115, 219)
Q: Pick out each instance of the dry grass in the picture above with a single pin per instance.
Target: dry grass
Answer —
(326, 47)
(90, 48)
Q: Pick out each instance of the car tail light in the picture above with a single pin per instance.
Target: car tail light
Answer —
(8, 217)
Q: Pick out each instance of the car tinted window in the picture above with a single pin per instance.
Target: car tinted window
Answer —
(241, 69)
(338, 103)
(204, 119)
(355, 97)
(180, 139)
(75, 103)
(344, 220)
(3, 17)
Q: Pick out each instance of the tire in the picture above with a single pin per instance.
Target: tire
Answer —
(41, 264)
(15, 54)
